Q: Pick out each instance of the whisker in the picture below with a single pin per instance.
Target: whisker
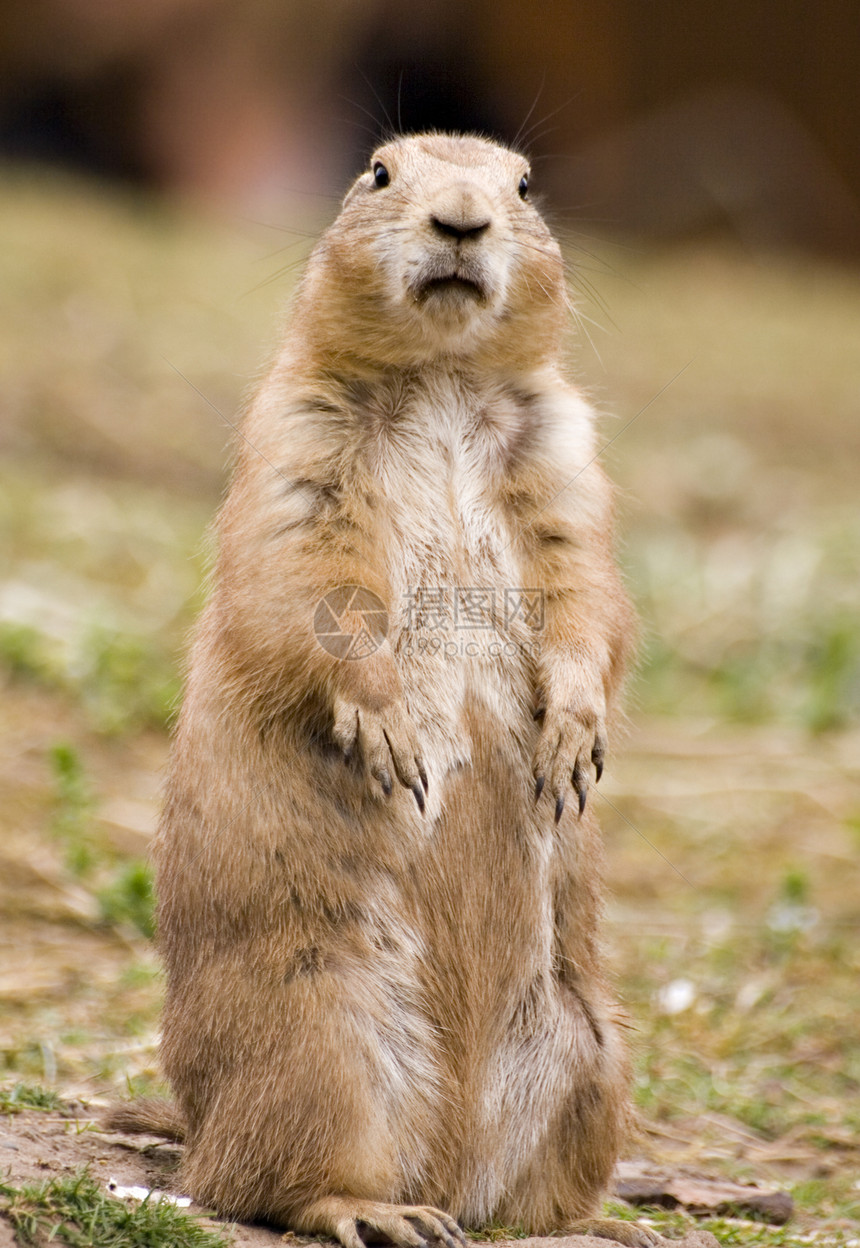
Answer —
(517, 137)
(529, 135)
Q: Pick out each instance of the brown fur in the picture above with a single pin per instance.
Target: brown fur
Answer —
(369, 1007)
(147, 1116)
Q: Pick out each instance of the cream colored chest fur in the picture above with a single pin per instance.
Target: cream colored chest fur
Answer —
(438, 466)
(458, 603)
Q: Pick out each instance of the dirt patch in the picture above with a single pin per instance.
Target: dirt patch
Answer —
(35, 1146)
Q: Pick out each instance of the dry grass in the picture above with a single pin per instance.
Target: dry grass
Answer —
(732, 814)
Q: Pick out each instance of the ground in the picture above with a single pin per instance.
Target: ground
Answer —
(729, 385)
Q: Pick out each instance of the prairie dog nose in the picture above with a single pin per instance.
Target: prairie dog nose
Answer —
(460, 214)
(459, 229)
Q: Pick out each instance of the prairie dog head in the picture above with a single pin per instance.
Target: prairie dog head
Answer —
(438, 252)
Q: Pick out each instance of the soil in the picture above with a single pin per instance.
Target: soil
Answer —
(39, 1145)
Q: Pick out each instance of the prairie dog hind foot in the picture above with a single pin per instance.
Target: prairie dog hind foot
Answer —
(357, 1223)
(630, 1234)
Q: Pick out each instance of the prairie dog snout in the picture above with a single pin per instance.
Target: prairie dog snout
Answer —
(461, 255)
(441, 237)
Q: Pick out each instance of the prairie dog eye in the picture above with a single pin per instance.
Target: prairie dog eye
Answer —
(523, 187)
(381, 176)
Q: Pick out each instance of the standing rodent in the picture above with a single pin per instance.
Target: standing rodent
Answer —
(379, 880)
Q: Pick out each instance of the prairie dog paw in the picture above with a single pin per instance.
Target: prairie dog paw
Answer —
(359, 1222)
(387, 742)
(569, 743)
(631, 1234)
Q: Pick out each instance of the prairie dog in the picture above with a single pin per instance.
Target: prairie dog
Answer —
(378, 871)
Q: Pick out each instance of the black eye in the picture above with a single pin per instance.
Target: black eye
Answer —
(380, 174)
(523, 187)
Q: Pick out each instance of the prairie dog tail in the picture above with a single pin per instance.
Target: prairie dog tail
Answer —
(146, 1116)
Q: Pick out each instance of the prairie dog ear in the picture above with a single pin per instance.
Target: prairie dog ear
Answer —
(361, 183)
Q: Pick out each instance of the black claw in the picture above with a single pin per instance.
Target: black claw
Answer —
(423, 774)
(583, 794)
(419, 796)
(598, 755)
(385, 781)
(541, 781)
(559, 807)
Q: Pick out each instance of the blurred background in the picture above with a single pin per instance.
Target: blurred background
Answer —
(663, 117)
(164, 169)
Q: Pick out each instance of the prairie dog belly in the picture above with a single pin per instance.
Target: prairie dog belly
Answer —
(465, 630)
(462, 621)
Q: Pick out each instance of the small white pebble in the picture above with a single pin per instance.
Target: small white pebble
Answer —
(717, 924)
(788, 916)
(750, 993)
(144, 1193)
(676, 996)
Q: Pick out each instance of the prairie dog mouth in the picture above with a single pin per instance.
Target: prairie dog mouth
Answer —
(450, 284)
